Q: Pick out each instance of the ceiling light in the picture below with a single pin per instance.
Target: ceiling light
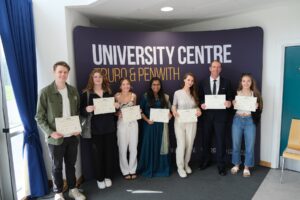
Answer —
(167, 9)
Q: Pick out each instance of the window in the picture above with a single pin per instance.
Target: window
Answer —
(13, 122)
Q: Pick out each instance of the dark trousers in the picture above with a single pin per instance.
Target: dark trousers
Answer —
(104, 155)
(66, 152)
(211, 125)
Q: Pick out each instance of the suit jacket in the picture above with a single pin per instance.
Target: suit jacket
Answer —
(224, 88)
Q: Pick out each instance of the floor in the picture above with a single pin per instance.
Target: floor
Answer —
(263, 185)
(271, 188)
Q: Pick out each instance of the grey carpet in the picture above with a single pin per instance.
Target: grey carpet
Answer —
(206, 185)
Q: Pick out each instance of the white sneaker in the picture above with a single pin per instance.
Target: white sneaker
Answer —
(188, 169)
(59, 196)
(108, 182)
(75, 194)
(181, 173)
(101, 184)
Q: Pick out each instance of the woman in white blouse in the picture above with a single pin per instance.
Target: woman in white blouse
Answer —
(185, 98)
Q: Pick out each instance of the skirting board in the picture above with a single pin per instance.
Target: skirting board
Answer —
(265, 164)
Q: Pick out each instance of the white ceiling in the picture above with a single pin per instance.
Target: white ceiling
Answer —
(146, 15)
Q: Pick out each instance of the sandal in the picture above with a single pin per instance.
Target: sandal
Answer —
(235, 170)
(246, 173)
(133, 176)
(127, 177)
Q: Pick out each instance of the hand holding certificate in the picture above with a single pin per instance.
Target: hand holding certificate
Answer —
(215, 101)
(68, 125)
(246, 103)
(159, 115)
(131, 113)
(104, 105)
(187, 115)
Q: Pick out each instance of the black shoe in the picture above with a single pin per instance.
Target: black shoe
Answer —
(222, 171)
(204, 165)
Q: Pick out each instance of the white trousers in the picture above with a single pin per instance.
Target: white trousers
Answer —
(185, 135)
(127, 133)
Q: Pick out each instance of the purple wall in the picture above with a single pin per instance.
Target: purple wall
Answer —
(141, 55)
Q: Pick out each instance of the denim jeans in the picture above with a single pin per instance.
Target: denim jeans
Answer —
(243, 126)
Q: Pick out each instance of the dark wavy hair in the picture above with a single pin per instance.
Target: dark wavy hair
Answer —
(161, 94)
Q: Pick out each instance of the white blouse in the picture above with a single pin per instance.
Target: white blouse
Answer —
(183, 100)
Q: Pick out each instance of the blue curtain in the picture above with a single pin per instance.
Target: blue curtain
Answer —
(17, 33)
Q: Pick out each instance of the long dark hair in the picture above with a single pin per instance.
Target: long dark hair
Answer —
(161, 94)
(253, 88)
(193, 89)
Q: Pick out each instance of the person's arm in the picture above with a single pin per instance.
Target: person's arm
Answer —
(83, 104)
(143, 105)
(229, 94)
(41, 115)
(202, 96)
(169, 105)
(175, 104)
(118, 112)
(78, 103)
(134, 99)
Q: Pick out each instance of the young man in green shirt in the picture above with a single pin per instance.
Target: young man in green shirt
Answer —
(59, 99)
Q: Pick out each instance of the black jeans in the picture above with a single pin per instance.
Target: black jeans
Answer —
(103, 155)
(66, 152)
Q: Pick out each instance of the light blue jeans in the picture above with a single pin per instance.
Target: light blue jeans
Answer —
(243, 126)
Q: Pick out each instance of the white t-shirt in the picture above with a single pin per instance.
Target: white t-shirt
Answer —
(66, 104)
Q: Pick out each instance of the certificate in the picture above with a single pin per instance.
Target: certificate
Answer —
(131, 113)
(104, 105)
(67, 125)
(245, 103)
(159, 115)
(215, 101)
(187, 115)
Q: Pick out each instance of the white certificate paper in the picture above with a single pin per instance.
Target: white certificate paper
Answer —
(104, 105)
(159, 115)
(187, 115)
(67, 125)
(215, 101)
(245, 103)
(131, 113)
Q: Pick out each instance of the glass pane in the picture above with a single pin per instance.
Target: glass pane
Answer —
(14, 125)
(17, 144)
(12, 109)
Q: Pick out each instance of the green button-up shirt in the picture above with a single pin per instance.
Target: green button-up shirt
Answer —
(49, 107)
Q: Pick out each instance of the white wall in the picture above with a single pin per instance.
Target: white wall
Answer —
(54, 24)
(281, 26)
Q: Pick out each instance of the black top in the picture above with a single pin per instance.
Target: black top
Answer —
(100, 124)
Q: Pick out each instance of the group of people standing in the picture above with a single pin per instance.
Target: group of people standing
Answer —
(60, 99)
